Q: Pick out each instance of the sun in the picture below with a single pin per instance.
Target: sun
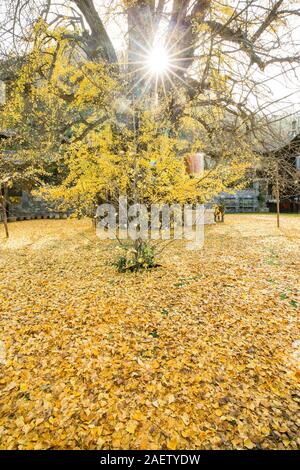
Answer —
(157, 66)
(158, 60)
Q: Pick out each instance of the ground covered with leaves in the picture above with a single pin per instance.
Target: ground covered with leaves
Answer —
(201, 353)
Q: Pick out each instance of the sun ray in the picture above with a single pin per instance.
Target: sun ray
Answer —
(180, 37)
(164, 87)
(156, 64)
(137, 83)
(140, 46)
(171, 81)
(172, 84)
(156, 89)
(178, 53)
(181, 79)
(179, 59)
(181, 51)
(143, 92)
(137, 70)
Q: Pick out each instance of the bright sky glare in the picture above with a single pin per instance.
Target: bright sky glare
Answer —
(158, 60)
(283, 94)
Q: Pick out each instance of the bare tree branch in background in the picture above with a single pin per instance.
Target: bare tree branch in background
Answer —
(236, 41)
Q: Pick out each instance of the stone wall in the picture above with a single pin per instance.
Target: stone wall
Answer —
(27, 207)
(242, 201)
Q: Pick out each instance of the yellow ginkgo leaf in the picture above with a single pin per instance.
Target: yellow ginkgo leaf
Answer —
(185, 418)
(249, 444)
(172, 444)
(138, 415)
(131, 426)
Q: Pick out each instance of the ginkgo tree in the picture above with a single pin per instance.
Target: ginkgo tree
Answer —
(103, 143)
(121, 119)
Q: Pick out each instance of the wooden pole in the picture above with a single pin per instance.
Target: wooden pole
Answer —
(277, 196)
(3, 201)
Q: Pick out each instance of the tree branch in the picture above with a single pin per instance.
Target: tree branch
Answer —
(268, 20)
(99, 43)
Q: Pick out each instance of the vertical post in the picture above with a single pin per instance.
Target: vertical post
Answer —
(3, 201)
(277, 195)
(137, 242)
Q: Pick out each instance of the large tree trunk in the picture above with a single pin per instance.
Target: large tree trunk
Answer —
(98, 41)
(140, 19)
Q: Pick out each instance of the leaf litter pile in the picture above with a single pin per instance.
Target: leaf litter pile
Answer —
(201, 353)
